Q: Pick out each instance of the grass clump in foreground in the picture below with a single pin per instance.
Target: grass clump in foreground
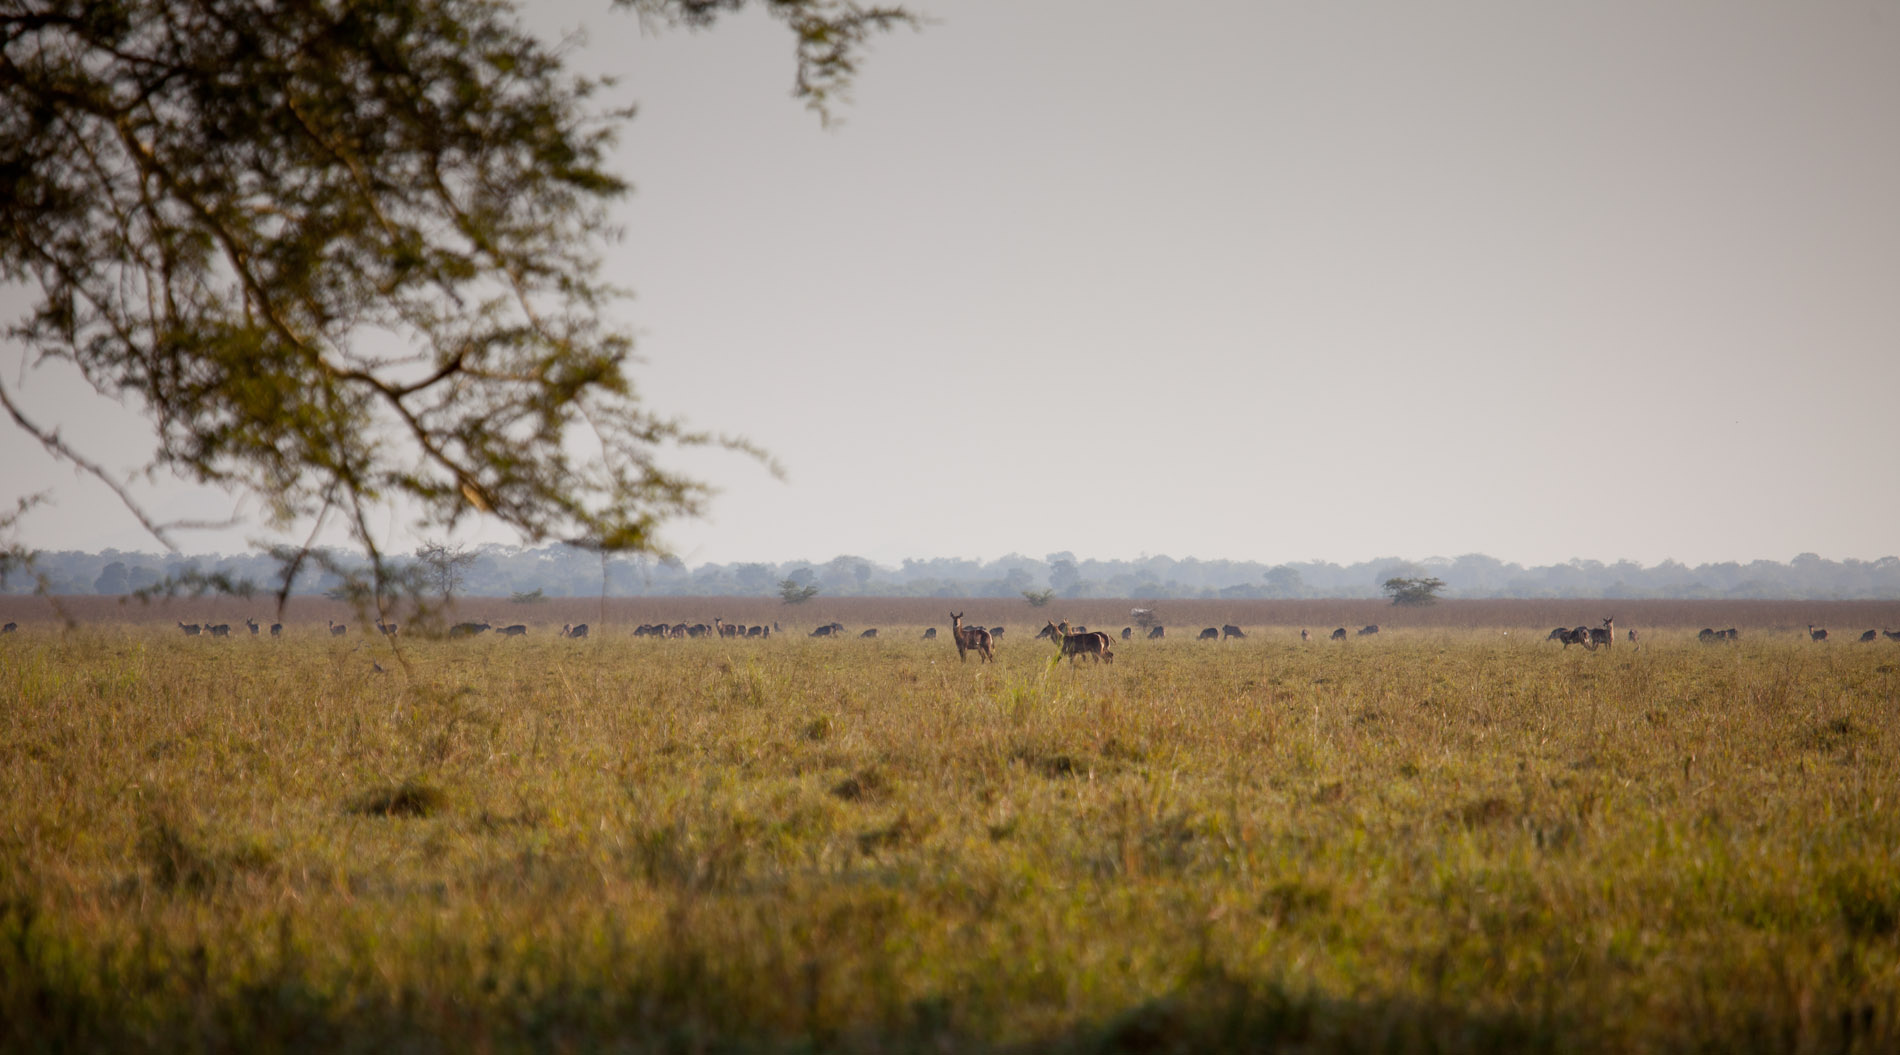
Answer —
(1438, 841)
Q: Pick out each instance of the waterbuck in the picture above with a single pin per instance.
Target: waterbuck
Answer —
(930, 633)
(468, 629)
(252, 623)
(190, 629)
(1604, 635)
(9, 628)
(1339, 634)
(1090, 643)
(220, 630)
(1128, 633)
(574, 630)
(1158, 633)
(1871, 635)
(970, 638)
(1816, 633)
(338, 629)
(386, 629)
(1891, 635)
(868, 633)
(516, 630)
(1368, 630)
(1305, 635)
(1212, 633)
(1228, 630)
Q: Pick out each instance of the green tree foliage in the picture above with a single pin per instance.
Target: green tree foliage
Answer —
(1413, 592)
(346, 254)
(792, 591)
(1038, 598)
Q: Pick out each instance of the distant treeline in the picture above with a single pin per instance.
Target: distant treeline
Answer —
(567, 571)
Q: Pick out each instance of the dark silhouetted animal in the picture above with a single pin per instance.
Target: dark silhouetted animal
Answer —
(1157, 633)
(1128, 633)
(1604, 635)
(930, 633)
(574, 630)
(252, 624)
(468, 629)
(1230, 630)
(1212, 633)
(1871, 635)
(191, 629)
(1339, 634)
(1816, 633)
(868, 633)
(516, 630)
(220, 630)
(338, 629)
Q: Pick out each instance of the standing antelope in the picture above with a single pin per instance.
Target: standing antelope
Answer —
(1339, 634)
(1871, 635)
(1305, 635)
(1128, 633)
(1228, 630)
(1816, 634)
(387, 629)
(1090, 643)
(970, 638)
(574, 630)
(1158, 633)
(338, 629)
(277, 630)
(190, 629)
(517, 630)
(1210, 634)
(252, 623)
(1891, 635)
(1604, 635)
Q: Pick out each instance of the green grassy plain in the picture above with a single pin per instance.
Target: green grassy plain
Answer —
(1439, 839)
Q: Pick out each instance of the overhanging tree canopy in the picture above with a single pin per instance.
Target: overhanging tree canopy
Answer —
(345, 253)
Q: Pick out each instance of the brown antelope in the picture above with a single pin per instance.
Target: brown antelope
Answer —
(1604, 635)
(1228, 630)
(468, 629)
(191, 629)
(1339, 634)
(1090, 643)
(1158, 633)
(338, 629)
(1368, 630)
(517, 630)
(1210, 634)
(574, 630)
(385, 629)
(1871, 635)
(277, 630)
(868, 634)
(1579, 636)
(1816, 633)
(1891, 635)
(970, 638)
(252, 624)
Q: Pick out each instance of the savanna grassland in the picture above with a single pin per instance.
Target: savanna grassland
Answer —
(1448, 837)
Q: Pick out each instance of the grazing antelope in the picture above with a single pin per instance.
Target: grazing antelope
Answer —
(252, 624)
(1891, 635)
(574, 630)
(1579, 636)
(930, 633)
(1228, 630)
(823, 631)
(868, 633)
(1871, 635)
(1368, 630)
(1339, 634)
(468, 629)
(516, 630)
(190, 629)
(386, 629)
(1090, 643)
(338, 629)
(221, 630)
(760, 632)
(970, 638)
(9, 628)
(1210, 634)
(1816, 633)
(725, 629)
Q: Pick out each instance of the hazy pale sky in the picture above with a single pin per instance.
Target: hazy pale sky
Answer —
(1252, 280)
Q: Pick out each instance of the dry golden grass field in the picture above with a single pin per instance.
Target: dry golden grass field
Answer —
(1453, 836)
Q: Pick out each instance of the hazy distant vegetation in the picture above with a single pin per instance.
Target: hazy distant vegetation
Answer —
(564, 571)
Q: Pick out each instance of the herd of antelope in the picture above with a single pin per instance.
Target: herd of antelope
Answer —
(1072, 642)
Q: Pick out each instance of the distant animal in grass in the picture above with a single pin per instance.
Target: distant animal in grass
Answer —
(1368, 630)
(468, 629)
(517, 630)
(930, 633)
(1092, 643)
(1339, 634)
(971, 639)
(1871, 635)
(1230, 630)
(1816, 633)
(9, 628)
(1212, 633)
(191, 629)
(1158, 633)
(251, 624)
(574, 630)
(338, 629)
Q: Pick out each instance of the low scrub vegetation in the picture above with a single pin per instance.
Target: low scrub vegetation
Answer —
(1440, 838)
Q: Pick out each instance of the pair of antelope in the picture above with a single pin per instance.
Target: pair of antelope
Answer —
(1090, 643)
(1589, 637)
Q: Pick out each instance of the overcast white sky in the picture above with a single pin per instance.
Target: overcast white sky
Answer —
(1253, 280)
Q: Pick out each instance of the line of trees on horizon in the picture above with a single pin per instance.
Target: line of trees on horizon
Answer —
(570, 571)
